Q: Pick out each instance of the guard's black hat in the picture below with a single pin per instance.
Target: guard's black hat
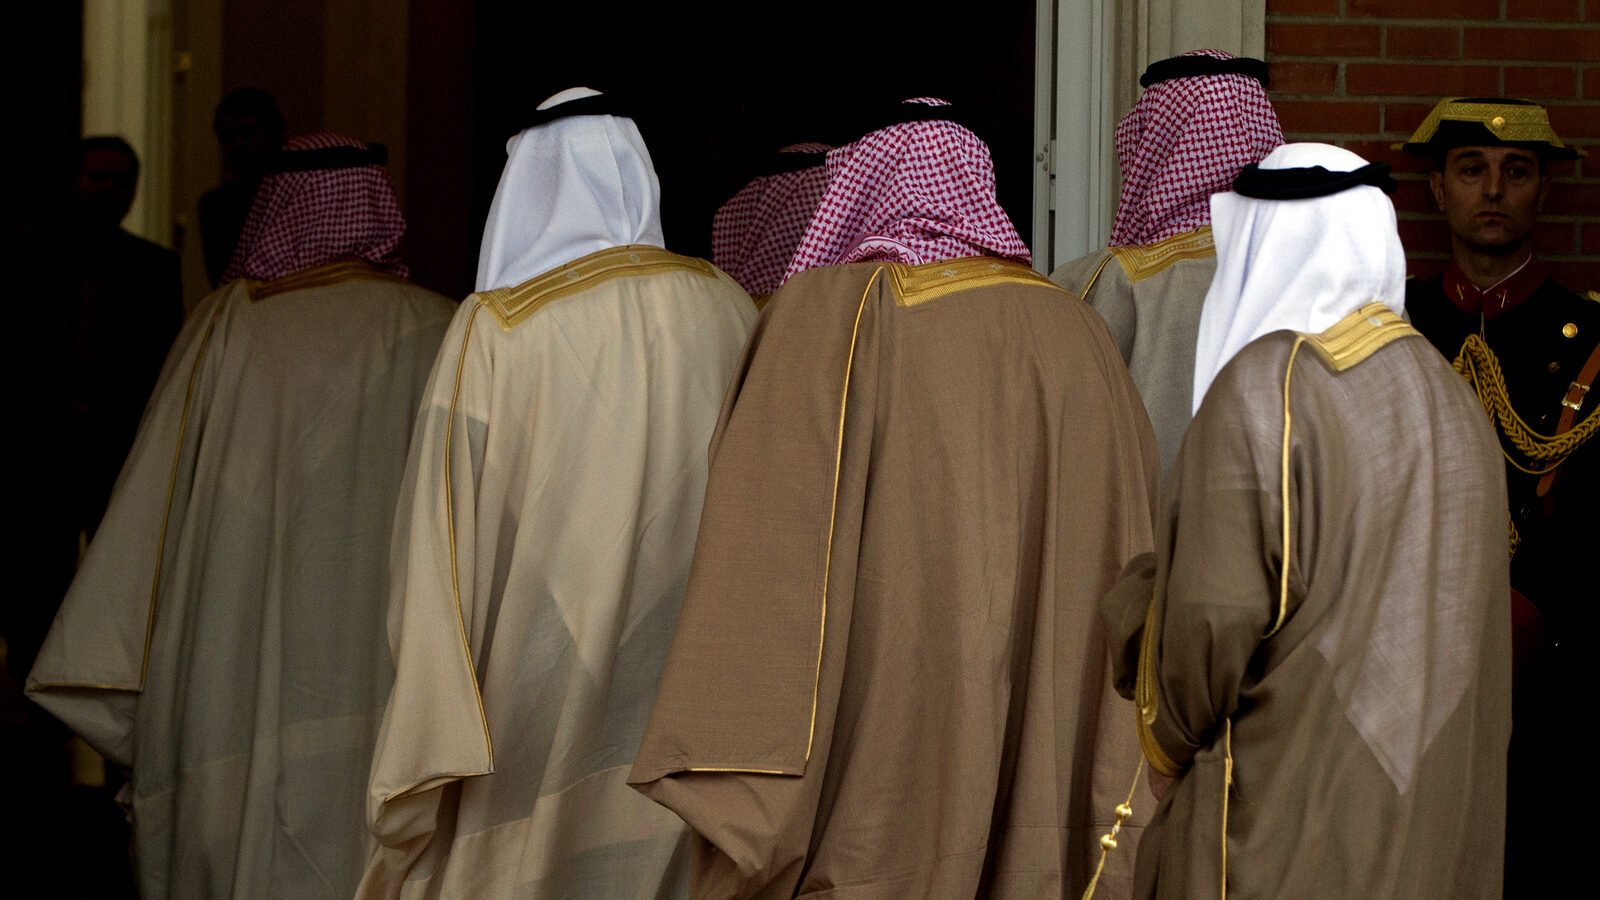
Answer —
(1487, 122)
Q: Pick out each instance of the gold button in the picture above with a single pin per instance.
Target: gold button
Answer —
(1554, 368)
(1497, 122)
(1570, 329)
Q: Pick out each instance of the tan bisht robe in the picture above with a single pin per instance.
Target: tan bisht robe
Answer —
(1364, 689)
(543, 544)
(1151, 297)
(889, 679)
(224, 636)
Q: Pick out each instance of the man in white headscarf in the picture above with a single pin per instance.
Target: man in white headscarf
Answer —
(1319, 646)
(544, 533)
(223, 639)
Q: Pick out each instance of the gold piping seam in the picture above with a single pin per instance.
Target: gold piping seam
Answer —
(838, 456)
(1095, 277)
(1283, 485)
(744, 771)
(450, 520)
(1227, 785)
(404, 791)
(87, 686)
(1144, 695)
(172, 486)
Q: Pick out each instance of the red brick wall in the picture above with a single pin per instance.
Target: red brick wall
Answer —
(1363, 73)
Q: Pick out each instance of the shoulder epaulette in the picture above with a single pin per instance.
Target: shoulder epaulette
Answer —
(1141, 262)
(929, 281)
(513, 305)
(1358, 335)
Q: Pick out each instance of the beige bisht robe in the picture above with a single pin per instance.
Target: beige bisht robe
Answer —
(1343, 720)
(889, 679)
(224, 636)
(541, 551)
(1151, 298)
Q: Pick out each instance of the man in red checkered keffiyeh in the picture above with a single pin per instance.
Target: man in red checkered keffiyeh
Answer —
(922, 479)
(1186, 139)
(754, 234)
(281, 422)
(1204, 116)
(305, 218)
(915, 192)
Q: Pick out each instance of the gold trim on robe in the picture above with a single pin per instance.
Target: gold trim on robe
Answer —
(929, 281)
(1141, 262)
(512, 306)
(320, 276)
(1359, 335)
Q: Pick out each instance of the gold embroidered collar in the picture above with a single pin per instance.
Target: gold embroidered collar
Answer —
(514, 305)
(320, 276)
(919, 284)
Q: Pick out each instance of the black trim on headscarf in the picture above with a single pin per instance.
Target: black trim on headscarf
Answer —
(1310, 181)
(593, 105)
(1192, 66)
(792, 161)
(902, 113)
(328, 158)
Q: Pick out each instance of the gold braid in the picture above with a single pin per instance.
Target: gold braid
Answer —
(1480, 367)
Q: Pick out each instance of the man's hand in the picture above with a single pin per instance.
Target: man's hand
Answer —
(1160, 784)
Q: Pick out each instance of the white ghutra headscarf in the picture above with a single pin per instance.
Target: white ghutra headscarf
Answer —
(1299, 265)
(571, 187)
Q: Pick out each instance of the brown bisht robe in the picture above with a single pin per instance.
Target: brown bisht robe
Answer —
(1364, 689)
(889, 679)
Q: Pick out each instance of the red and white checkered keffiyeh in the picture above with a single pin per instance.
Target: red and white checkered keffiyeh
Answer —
(754, 234)
(917, 192)
(301, 220)
(1186, 139)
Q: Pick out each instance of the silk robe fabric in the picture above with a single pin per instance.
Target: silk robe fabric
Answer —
(935, 471)
(224, 635)
(1151, 298)
(543, 543)
(1368, 691)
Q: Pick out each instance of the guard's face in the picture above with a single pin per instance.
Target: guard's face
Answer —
(1491, 196)
(246, 146)
(105, 187)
